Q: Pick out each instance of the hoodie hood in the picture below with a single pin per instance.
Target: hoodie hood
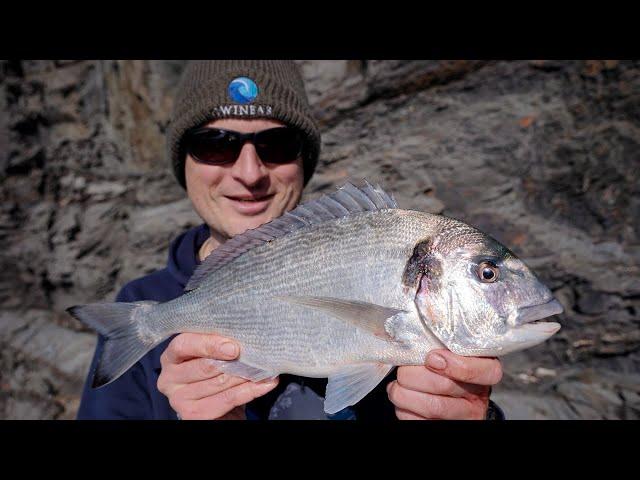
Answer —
(183, 253)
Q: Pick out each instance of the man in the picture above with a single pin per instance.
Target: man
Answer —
(237, 181)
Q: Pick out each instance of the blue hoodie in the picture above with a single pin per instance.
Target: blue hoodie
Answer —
(135, 394)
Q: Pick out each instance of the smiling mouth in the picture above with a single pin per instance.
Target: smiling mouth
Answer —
(250, 205)
(250, 198)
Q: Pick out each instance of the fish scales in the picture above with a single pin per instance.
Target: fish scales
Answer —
(268, 327)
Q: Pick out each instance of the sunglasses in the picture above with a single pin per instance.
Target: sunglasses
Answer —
(216, 146)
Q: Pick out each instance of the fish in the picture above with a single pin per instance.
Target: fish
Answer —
(345, 287)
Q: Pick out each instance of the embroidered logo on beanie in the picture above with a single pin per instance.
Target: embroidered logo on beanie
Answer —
(243, 90)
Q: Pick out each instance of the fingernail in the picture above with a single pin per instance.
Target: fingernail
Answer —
(436, 361)
(269, 382)
(230, 349)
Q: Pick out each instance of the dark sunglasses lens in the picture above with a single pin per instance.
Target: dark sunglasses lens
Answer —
(215, 147)
(279, 145)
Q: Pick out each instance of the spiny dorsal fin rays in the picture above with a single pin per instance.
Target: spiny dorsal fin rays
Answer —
(347, 200)
(335, 207)
(363, 200)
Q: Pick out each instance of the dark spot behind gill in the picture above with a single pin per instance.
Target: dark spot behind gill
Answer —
(420, 263)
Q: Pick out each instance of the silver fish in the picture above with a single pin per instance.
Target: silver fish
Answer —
(346, 287)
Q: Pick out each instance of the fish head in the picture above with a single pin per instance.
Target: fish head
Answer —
(479, 299)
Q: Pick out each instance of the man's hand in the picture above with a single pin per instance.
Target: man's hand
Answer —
(449, 387)
(196, 389)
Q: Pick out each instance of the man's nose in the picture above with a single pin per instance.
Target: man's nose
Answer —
(248, 168)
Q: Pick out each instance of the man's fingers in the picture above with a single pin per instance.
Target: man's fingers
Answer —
(422, 379)
(237, 413)
(218, 405)
(194, 345)
(194, 370)
(210, 387)
(435, 406)
(475, 370)
(406, 415)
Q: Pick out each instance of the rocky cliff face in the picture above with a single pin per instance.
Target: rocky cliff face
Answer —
(543, 155)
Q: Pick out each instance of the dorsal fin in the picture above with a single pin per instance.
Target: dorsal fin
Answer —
(347, 200)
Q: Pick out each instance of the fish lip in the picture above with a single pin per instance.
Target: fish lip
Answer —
(527, 336)
(543, 328)
(531, 313)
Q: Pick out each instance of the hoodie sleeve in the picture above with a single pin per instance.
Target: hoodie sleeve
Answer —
(127, 397)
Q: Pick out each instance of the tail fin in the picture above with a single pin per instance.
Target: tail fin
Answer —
(127, 336)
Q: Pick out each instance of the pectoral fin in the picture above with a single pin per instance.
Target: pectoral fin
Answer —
(352, 383)
(367, 316)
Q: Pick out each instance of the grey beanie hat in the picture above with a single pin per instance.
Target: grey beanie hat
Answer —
(212, 89)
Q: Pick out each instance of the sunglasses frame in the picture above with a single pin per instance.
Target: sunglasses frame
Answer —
(242, 138)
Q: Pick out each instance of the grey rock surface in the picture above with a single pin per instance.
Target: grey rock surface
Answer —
(542, 155)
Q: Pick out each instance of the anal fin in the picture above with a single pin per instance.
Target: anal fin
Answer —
(352, 383)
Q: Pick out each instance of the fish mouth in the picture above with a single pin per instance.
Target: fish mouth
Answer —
(542, 328)
(528, 318)
(528, 330)
(533, 313)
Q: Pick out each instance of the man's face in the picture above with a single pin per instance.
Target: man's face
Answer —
(234, 197)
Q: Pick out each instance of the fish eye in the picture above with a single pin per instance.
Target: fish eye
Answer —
(488, 272)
